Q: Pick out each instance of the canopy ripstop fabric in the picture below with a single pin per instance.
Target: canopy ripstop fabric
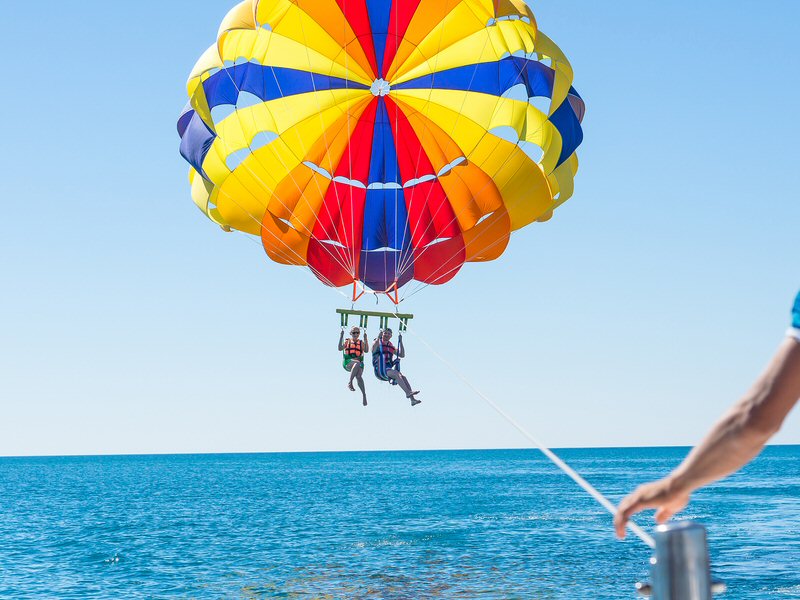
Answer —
(381, 141)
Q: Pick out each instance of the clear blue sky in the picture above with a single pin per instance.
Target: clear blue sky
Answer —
(647, 305)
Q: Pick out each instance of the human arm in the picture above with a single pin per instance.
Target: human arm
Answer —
(401, 351)
(733, 441)
(341, 341)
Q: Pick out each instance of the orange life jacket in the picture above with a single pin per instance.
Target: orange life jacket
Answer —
(354, 349)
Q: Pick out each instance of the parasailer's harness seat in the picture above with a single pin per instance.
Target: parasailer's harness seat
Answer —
(353, 351)
(384, 358)
(382, 361)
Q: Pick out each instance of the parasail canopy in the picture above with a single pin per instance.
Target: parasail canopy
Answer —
(378, 142)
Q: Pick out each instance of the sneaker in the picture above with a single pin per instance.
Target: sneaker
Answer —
(414, 401)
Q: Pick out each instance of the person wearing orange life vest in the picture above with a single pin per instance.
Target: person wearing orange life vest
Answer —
(387, 367)
(353, 350)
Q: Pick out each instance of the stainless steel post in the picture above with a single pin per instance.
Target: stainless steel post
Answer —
(680, 568)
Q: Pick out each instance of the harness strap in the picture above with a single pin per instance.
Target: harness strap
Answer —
(381, 365)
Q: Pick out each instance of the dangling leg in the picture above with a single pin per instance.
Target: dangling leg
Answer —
(409, 394)
(354, 364)
(402, 381)
(357, 372)
(399, 379)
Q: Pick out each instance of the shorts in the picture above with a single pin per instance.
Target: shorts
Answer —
(346, 363)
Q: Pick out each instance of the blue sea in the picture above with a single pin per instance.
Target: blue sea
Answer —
(388, 525)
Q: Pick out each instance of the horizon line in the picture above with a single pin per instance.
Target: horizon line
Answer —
(384, 451)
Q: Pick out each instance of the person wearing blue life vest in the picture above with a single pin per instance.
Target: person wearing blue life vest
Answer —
(386, 363)
(353, 350)
(737, 438)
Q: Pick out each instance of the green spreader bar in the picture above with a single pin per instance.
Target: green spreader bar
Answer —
(364, 315)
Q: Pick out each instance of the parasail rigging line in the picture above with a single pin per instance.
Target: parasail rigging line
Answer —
(458, 214)
(569, 471)
(408, 259)
(352, 257)
(311, 270)
(260, 224)
(423, 285)
(339, 259)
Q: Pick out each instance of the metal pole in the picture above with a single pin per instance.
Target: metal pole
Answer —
(680, 568)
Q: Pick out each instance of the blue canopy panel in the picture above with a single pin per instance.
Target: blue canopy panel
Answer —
(568, 125)
(196, 140)
(267, 83)
(495, 78)
(185, 118)
(490, 78)
(386, 238)
(380, 269)
(379, 16)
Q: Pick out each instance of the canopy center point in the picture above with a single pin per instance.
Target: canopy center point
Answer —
(380, 87)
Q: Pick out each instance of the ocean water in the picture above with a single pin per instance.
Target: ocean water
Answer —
(389, 525)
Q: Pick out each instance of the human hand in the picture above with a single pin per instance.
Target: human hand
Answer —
(663, 495)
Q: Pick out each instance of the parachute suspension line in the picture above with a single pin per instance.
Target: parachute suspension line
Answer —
(449, 143)
(435, 69)
(458, 214)
(363, 261)
(569, 471)
(393, 291)
(356, 264)
(338, 259)
(311, 271)
(351, 268)
(422, 286)
(401, 258)
(263, 183)
(292, 250)
(314, 272)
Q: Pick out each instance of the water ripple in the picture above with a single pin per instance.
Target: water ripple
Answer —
(477, 524)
